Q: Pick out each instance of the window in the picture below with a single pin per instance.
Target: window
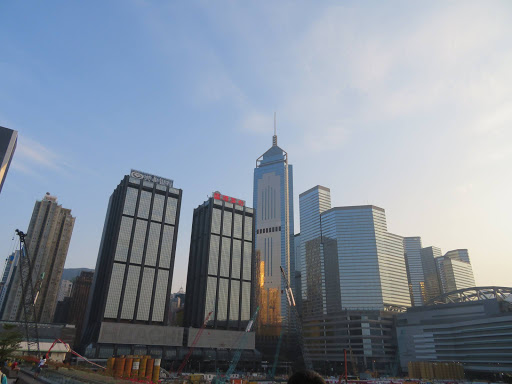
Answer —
(211, 290)
(236, 259)
(226, 224)
(237, 226)
(222, 312)
(138, 241)
(170, 212)
(224, 262)
(246, 301)
(213, 263)
(130, 202)
(166, 252)
(216, 213)
(234, 301)
(160, 295)
(145, 202)
(158, 208)
(247, 260)
(146, 290)
(130, 292)
(114, 291)
(152, 246)
(123, 241)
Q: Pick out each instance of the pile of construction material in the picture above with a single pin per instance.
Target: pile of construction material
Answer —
(435, 371)
(143, 368)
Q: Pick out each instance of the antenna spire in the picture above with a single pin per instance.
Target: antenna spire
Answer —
(274, 138)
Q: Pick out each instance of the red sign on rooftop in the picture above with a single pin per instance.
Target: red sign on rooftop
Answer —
(228, 199)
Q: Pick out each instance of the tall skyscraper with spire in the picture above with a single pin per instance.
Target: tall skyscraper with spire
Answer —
(274, 237)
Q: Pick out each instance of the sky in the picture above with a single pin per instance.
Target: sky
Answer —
(404, 105)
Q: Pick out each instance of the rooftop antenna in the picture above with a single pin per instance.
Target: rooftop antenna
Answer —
(274, 138)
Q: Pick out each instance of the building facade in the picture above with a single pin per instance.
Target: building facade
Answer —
(47, 243)
(221, 263)
(274, 235)
(11, 264)
(8, 141)
(429, 255)
(354, 280)
(415, 275)
(79, 299)
(65, 290)
(475, 331)
(455, 271)
(132, 283)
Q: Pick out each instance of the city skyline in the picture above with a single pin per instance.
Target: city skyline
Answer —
(434, 158)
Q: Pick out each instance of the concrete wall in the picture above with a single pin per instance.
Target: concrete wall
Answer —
(120, 333)
(217, 338)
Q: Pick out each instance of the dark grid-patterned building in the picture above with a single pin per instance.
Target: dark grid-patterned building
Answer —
(136, 258)
(220, 269)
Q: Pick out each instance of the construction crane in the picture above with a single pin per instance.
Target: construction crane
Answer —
(192, 346)
(291, 301)
(276, 358)
(29, 298)
(238, 352)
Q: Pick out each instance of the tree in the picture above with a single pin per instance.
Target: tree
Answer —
(10, 339)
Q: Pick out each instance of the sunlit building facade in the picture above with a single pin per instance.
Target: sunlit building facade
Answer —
(8, 141)
(134, 269)
(274, 235)
(429, 255)
(415, 275)
(455, 271)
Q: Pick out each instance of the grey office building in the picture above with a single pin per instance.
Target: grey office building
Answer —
(432, 283)
(471, 326)
(11, 264)
(220, 266)
(8, 141)
(415, 275)
(47, 243)
(353, 280)
(455, 271)
(131, 288)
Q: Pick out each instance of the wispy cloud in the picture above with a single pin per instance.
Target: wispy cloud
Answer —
(33, 158)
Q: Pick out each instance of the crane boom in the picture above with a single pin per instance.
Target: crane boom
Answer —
(29, 297)
(291, 301)
(192, 346)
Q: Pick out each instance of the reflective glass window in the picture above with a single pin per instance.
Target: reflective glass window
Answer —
(237, 226)
(222, 311)
(130, 292)
(248, 228)
(138, 241)
(123, 241)
(247, 266)
(246, 301)
(161, 187)
(211, 291)
(160, 295)
(146, 290)
(166, 252)
(170, 211)
(234, 300)
(224, 254)
(158, 208)
(226, 224)
(152, 247)
(216, 213)
(145, 202)
(174, 190)
(148, 184)
(236, 259)
(114, 291)
(213, 263)
(134, 180)
(130, 202)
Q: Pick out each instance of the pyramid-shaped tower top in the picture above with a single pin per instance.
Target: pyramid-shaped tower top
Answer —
(274, 138)
(275, 153)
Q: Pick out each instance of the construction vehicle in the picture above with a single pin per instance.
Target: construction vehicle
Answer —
(192, 346)
(29, 298)
(291, 302)
(238, 352)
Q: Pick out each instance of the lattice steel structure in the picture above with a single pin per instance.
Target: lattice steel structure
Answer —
(473, 294)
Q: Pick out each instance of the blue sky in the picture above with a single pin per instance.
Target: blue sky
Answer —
(405, 105)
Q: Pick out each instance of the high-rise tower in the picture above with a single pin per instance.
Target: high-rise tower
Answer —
(133, 277)
(273, 205)
(8, 140)
(48, 238)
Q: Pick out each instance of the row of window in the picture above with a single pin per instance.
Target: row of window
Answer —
(221, 267)
(238, 309)
(157, 214)
(139, 237)
(130, 293)
(231, 222)
(268, 230)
